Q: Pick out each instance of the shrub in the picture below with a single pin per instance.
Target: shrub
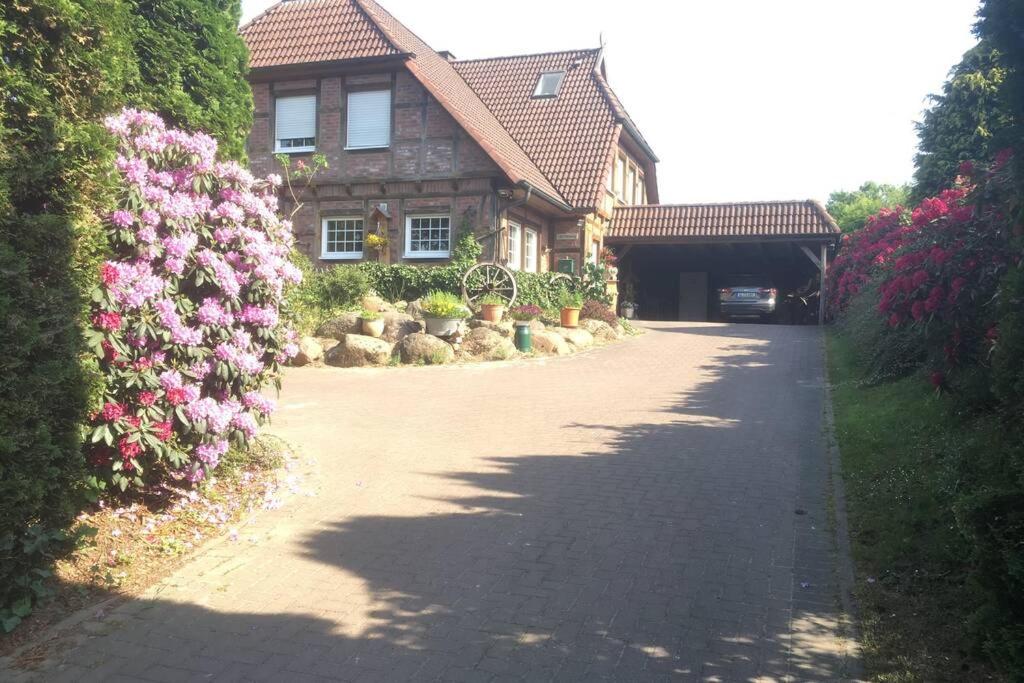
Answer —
(596, 310)
(402, 281)
(323, 293)
(186, 321)
(540, 289)
(438, 304)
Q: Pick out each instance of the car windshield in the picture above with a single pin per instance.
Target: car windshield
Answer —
(747, 281)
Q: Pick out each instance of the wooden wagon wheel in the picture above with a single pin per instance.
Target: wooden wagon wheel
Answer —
(489, 278)
(561, 277)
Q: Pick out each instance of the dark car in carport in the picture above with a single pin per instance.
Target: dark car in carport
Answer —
(747, 297)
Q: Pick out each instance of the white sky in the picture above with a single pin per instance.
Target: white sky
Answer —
(740, 99)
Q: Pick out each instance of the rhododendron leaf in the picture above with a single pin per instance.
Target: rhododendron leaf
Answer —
(22, 608)
(108, 437)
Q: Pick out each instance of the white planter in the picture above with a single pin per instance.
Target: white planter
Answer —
(442, 327)
(628, 311)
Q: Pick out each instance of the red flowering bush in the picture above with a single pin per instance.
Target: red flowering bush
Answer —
(937, 267)
(186, 320)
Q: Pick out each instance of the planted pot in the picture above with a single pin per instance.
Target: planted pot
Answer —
(628, 311)
(373, 328)
(570, 317)
(492, 313)
(442, 327)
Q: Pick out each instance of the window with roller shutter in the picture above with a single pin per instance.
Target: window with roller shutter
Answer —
(369, 120)
(295, 124)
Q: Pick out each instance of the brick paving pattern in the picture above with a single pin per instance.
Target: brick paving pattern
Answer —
(652, 510)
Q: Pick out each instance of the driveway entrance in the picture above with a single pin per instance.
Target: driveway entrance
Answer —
(650, 510)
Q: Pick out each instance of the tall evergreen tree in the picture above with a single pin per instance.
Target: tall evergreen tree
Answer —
(192, 66)
(965, 123)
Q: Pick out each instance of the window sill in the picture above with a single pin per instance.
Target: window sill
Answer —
(427, 255)
(372, 148)
(295, 150)
(353, 256)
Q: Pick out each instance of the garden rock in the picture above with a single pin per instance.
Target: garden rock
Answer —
(420, 347)
(415, 309)
(504, 329)
(337, 328)
(397, 326)
(310, 351)
(357, 350)
(536, 326)
(483, 343)
(327, 343)
(602, 331)
(578, 338)
(550, 343)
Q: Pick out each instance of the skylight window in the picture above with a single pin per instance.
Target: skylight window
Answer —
(549, 84)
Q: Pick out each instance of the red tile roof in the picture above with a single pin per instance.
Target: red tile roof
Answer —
(569, 136)
(700, 222)
(321, 31)
(308, 31)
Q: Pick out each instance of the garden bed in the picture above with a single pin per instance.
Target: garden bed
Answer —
(342, 341)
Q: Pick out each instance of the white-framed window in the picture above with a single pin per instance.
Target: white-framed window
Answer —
(341, 238)
(515, 238)
(295, 123)
(549, 83)
(369, 119)
(428, 236)
(631, 186)
(620, 176)
(530, 251)
(641, 189)
(595, 250)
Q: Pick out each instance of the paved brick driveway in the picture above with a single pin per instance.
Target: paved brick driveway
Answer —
(651, 510)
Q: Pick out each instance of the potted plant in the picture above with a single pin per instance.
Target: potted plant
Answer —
(492, 307)
(570, 303)
(522, 315)
(442, 312)
(628, 306)
(373, 323)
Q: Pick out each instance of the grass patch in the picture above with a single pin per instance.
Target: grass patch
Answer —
(901, 445)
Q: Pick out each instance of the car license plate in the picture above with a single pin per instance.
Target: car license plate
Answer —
(746, 295)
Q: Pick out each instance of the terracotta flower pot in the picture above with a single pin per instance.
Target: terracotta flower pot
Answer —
(492, 312)
(373, 328)
(570, 317)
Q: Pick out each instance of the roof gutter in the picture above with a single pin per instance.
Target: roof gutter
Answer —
(543, 195)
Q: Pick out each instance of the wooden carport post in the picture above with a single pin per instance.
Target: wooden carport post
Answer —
(822, 264)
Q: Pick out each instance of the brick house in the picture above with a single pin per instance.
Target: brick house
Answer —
(532, 153)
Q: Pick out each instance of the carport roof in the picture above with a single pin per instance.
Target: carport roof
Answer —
(740, 221)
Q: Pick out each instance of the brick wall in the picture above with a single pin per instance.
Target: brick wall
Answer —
(431, 165)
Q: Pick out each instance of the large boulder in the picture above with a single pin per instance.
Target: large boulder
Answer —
(357, 350)
(327, 343)
(577, 337)
(602, 331)
(397, 326)
(485, 344)
(421, 348)
(536, 326)
(337, 328)
(503, 328)
(310, 351)
(550, 343)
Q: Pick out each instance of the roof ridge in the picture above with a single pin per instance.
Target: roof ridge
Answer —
(813, 202)
(528, 54)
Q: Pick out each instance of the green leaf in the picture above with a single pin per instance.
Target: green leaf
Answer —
(10, 623)
(23, 607)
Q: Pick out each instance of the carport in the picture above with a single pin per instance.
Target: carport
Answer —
(673, 258)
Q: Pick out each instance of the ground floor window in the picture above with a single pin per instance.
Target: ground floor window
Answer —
(515, 237)
(530, 251)
(428, 237)
(341, 238)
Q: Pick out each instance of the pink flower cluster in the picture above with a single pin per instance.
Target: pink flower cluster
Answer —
(202, 261)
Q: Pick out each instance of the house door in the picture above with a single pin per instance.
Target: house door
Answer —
(693, 296)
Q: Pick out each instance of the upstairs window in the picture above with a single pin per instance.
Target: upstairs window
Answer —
(620, 176)
(295, 124)
(549, 84)
(369, 119)
(631, 186)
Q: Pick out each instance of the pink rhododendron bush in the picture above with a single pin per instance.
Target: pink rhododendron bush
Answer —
(187, 320)
(935, 271)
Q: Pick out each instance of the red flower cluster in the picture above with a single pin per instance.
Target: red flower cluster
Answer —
(147, 398)
(162, 430)
(112, 412)
(129, 449)
(108, 320)
(109, 274)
